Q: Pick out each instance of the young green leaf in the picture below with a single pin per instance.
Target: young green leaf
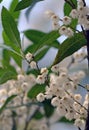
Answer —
(35, 90)
(69, 46)
(10, 27)
(26, 3)
(6, 102)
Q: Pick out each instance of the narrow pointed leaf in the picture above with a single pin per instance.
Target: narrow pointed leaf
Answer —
(10, 27)
(69, 46)
(36, 36)
(6, 102)
(48, 39)
(12, 8)
(41, 54)
(25, 3)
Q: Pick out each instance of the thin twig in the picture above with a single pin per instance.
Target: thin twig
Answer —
(28, 105)
(29, 118)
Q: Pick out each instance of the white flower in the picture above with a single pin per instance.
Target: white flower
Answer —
(85, 104)
(55, 101)
(66, 20)
(40, 79)
(33, 65)
(76, 106)
(79, 123)
(49, 13)
(70, 115)
(55, 25)
(44, 71)
(63, 30)
(40, 97)
(63, 76)
(68, 85)
(61, 110)
(74, 13)
(3, 92)
(82, 19)
(20, 77)
(69, 32)
(81, 74)
(48, 93)
(78, 97)
(67, 102)
(83, 112)
(63, 69)
(29, 56)
(80, 3)
(87, 95)
(24, 86)
(55, 18)
(86, 25)
(55, 68)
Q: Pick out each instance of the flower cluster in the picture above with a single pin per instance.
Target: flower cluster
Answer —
(30, 59)
(64, 25)
(61, 90)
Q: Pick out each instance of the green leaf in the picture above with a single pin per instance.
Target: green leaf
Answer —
(68, 8)
(6, 57)
(69, 46)
(41, 54)
(41, 39)
(6, 102)
(12, 50)
(38, 115)
(48, 108)
(34, 35)
(10, 27)
(36, 90)
(26, 3)
(12, 8)
(73, 24)
(48, 39)
(6, 74)
(1, 1)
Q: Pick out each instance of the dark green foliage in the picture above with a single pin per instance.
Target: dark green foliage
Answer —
(10, 27)
(35, 90)
(48, 108)
(26, 3)
(69, 46)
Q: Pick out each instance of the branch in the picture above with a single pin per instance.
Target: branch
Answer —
(29, 118)
(84, 2)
